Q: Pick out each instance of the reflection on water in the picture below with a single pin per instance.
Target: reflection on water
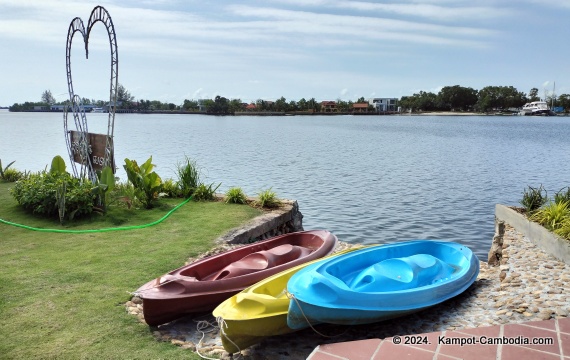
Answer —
(368, 179)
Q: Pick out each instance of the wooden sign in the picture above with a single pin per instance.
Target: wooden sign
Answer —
(97, 144)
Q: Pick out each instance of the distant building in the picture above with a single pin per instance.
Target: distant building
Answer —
(250, 107)
(109, 106)
(58, 107)
(360, 108)
(328, 107)
(384, 104)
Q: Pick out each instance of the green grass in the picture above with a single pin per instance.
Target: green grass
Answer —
(62, 295)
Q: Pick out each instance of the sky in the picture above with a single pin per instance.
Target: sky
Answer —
(172, 50)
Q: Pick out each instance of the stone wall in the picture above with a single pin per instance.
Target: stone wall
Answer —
(537, 234)
(284, 220)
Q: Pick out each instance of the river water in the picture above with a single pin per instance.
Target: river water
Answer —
(368, 179)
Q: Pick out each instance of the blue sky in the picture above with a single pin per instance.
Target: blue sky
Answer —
(171, 50)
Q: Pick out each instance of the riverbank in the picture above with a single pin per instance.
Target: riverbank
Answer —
(526, 286)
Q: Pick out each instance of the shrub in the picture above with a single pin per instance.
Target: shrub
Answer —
(126, 194)
(564, 229)
(235, 195)
(104, 186)
(553, 215)
(562, 196)
(38, 194)
(188, 177)
(533, 198)
(3, 170)
(268, 199)
(170, 188)
(12, 175)
(205, 192)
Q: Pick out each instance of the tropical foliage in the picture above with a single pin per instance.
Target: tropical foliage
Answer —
(534, 198)
(235, 195)
(205, 192)
(553, 215)
(146, 181)
(268, 199)
(55, 193)
(188, 177)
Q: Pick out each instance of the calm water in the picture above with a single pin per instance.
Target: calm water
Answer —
(367, 179)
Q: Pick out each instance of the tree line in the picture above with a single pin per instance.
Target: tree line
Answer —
(490, 98)
(449, 98)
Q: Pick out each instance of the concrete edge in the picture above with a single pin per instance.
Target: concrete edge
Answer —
(287, 218)
(538, 235)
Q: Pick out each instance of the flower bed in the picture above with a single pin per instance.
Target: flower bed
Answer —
(537, 234)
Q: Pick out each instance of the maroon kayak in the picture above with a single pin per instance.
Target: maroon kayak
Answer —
(204, 284)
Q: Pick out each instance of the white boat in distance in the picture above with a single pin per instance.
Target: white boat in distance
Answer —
(98, 110)
(535, 108)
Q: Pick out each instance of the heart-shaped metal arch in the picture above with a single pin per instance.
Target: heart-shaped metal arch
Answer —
(79, 146)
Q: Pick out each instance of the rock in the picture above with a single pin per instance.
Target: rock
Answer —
(545, 314)
(495, 253)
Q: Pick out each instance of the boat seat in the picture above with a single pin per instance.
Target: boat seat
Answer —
(402, 273)
(262, 260)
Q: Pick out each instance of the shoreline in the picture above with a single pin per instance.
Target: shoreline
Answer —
(524, 287)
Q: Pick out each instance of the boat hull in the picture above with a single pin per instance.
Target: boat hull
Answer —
(259, 311)
(381, 283)
(202, 285)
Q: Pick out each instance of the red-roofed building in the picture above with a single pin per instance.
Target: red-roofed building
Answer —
(360, 108)
(328, 107)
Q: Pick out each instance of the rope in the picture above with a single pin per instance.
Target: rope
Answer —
(221, 325)
(97, 230)
(204, 326)
(291, 296)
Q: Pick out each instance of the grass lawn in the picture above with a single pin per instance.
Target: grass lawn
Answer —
(62, 295)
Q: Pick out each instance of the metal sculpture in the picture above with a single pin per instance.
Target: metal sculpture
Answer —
(92, 151)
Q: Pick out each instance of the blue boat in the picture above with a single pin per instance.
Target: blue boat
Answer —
(380, 283)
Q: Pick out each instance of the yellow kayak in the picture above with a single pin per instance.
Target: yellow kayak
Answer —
(258, 311)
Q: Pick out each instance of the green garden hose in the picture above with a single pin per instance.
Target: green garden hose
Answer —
(98, 230)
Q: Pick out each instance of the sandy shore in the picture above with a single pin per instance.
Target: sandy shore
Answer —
(525, 287)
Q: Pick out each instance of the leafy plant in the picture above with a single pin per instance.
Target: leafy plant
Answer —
(146, 181)
(205, 192)
(57, 165)
(552, 216)
(268, 199)
(12, 175)
(188, 177)
(126, 193)
(235, 195)
(170, 188)
(3, 170)
(562, 196)
(38, 193)
(564, 229)
(60, 200)
(104, 186)
(533, 198)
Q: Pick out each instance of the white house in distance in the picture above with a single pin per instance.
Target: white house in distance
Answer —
(384, 104)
